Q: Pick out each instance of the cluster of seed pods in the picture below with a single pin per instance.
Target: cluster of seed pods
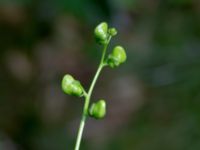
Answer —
(118, 56)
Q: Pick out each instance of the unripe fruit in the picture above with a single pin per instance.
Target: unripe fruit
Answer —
(117, 57)
(71, 86)
(98, 109)
(112, 31)
(101, 33)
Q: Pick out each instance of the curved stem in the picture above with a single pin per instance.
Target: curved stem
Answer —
(87, 98)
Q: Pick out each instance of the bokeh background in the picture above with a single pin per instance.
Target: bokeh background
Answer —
(153, 99)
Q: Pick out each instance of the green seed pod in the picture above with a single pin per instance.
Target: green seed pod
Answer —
(101, 33)
(71, 86)
(98, 109)
(112, 31)
(117, 57)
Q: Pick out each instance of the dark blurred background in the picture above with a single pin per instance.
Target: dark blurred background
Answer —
(153, 99)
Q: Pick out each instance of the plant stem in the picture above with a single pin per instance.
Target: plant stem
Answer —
(87, 98)
(80, 132)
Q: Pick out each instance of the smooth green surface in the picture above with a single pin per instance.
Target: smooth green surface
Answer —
(117, 57)
(101, 33)
(112, 31)
(98, 109)
(71, 86)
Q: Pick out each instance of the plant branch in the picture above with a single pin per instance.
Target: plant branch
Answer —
(88, 96)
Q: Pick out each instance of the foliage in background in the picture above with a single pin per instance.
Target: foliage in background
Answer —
(158, 106)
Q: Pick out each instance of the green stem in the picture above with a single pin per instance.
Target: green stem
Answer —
(87, 98)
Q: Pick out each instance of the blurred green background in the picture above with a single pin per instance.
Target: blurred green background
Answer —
(153, 99)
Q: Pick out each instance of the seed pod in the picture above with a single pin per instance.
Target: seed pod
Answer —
(117, 57)
(112, 31)
(71, 86)
(98, 109)
(101, 33)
